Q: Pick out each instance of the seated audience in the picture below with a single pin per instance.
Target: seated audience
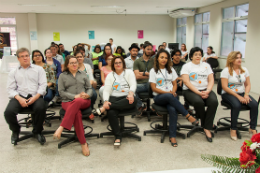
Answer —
(163, 82)
(57, 56)
(102, 61)
(74, 48)
(105, 70)
(38, 59)
(209, 54)
(56, 66)
(76, 91)
(198, 82)
(118, 94)
(120, 52)
(63, 51)
(86, 60)
(141, 68)
(129, 61)
(113, 46)
(26, 85)
(87, 69)
(94, 56)
(165, 47)
(236, 86)
(184, 52)
(141, 48)
(87, 52)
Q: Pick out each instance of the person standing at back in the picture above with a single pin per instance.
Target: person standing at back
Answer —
(113, 46)
(142, 67)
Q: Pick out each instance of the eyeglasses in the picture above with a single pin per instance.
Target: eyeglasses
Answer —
(37, 56)
(73, 63)
(177, 54)
(118, 63)
(26, 56)
(79, 56)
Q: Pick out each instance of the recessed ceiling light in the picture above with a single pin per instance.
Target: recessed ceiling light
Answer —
(108, 6)
(36, 5)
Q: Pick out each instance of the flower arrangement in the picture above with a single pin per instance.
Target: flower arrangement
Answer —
(248, 161)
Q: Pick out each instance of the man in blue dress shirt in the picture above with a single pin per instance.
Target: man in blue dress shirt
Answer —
(26, 86)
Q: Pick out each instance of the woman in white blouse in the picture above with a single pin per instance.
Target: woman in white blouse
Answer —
(198, 82)
(209, 54)
(163, 82)
(236, 87)
(118, 94)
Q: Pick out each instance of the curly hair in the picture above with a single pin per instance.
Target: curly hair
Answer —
(156, 62)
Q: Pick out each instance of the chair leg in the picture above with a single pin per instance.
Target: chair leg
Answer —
(66, 141)
(106, 134)
(132, 135)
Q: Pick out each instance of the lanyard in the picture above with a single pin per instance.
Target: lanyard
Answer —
(146, 65)
(165, 77)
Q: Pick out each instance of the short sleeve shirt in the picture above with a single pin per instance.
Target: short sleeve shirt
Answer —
(59, 58)
(120, 85)
(235, 81)
(130, 63)
(198, 74)
(143, 66)
(178, 67)
(101, 59)
(163, 79)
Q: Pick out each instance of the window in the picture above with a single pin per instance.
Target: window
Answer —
(8, 25)
(202, 31)
(234, 29)
(181, 31)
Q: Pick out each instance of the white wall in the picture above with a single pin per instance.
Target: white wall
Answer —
(123, 29)
(253, 35)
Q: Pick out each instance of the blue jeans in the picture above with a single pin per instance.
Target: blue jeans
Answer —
(49, 95)
(173, 106)
(93, 97)
(236, 107)
(141, 88)
(56, 91)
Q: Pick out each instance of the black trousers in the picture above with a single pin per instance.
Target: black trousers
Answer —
(236, 107)
(118, 104)
(206, 116)
(38, 117)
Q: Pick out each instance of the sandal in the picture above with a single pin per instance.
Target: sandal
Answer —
(173, 144)
(117, 144)
(92, 117)
(195, 123)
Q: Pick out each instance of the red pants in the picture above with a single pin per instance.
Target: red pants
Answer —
(73, 116)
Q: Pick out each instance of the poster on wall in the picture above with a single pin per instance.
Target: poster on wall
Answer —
(140, 34)
(33, 35)
(56, 36)
(91, 34)
(4, 42)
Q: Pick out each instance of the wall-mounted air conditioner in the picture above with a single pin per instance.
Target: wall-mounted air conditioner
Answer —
(180, 13)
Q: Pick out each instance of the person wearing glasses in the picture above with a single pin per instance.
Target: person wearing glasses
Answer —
(105, 70)
(76, 91)
(118, 95)
(87, 69)
(38, 59)
(26, 85)
(235, 91)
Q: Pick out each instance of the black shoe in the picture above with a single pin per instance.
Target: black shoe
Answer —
(208, 138)
(173, 144)
(40, 138)
(14, 137)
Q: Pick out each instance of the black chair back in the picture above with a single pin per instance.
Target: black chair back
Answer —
(219, 87)
(187, 57)
(213, 62)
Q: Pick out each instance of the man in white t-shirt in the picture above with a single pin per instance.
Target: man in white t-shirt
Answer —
(166, 47)
(113, 46)
(129, 61)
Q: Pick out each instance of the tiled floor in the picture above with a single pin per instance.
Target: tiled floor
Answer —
(133, 156)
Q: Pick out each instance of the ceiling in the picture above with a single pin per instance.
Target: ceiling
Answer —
(100, 6)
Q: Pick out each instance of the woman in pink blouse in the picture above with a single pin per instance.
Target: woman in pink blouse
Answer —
(105, 70)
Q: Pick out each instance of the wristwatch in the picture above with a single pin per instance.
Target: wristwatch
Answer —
(144, 73)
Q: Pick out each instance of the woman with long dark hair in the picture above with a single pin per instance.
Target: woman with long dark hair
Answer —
(163, 81)
(102, 61)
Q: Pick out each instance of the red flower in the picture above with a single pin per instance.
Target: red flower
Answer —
(244, 147)
(256, 138)
(247, 156)
(257, 170)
